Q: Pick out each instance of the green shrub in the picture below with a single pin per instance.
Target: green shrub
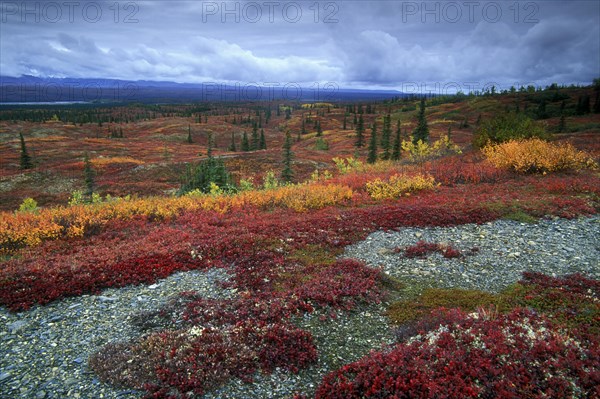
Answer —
(506, 127)
(28, 205)
(201, 175)
(270, 180)
(321, 144)
(467, 300)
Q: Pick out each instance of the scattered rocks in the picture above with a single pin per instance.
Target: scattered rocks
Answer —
(494, 254)
(44, 352)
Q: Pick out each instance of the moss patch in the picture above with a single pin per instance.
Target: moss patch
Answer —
(433, 298)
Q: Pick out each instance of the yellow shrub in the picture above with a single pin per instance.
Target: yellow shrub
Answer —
(398, 185)
(29, 229)
(100, 161)
(537, 156)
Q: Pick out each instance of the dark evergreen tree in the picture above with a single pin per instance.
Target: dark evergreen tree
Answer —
(319, 130)
(88, 177)
(25, 160)
(360, 130)
(421, 132)
(287, 173)
(232, 146)
(397, 147)
(303, 131)
(245, 143)
(345, 118)
(189, 137)
(372, 155)
(541, 111)
(201, 175)
(386, 136)
(562, 126)
(585, 105)
(262, 142)
(255, 143)
(597, 103)
(207, 171)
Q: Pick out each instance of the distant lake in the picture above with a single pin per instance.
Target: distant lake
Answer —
(45, 103)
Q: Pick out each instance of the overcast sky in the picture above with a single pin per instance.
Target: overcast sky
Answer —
(377, 44)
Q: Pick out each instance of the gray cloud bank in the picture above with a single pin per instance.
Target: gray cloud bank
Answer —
(375, 44)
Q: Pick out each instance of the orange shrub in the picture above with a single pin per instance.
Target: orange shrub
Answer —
(100, 162)
(23, 229)
(537, 156)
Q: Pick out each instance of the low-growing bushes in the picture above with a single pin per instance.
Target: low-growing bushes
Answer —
(421, 249)
(433, 298)
(507, 127)
(537, 156)
(521, 354)
(549, 349)
(398, 185)
(209, 341)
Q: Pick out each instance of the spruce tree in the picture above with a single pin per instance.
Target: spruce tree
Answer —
(287, 173)
(562, 126)
(25, 158)
(585, 106)
(189, 137)
(345, 121)
(360, 140)
(245, 143)
(88, 177)
(255, 144)
(262, 142)
(396, 150)
(386, 136)
(232, 147)
(421, 132)
(372, 156)
(319, 130)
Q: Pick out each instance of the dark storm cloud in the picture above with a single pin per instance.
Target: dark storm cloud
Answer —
(391, 44)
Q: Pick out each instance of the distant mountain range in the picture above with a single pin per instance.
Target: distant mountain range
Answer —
(31, 89)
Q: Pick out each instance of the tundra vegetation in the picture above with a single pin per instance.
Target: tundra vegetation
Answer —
(104, 196)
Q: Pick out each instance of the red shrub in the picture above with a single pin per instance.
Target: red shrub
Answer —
(456, 170)
(421, 249)
(517, 355)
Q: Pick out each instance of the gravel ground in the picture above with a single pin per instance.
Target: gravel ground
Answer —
(43, 352)
(495, 253)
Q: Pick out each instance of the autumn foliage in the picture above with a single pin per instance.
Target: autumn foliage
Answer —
(484, 354)
(537, 156)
